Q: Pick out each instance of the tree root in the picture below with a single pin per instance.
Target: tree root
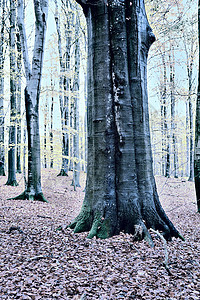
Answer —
(27, 196)
(12, 183)
(165, 263)
(62, 173)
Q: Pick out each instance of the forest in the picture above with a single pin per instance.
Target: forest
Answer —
(99, 149)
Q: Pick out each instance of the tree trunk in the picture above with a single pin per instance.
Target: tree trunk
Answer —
(19, 117)
(51, 130)
(173, 126)
(197, 131)
(76, 84)
(120, 191)
(32, 96)
(13, 101)
(2, 117)
(64, 102)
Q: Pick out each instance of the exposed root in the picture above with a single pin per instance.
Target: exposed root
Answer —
(12, 183)
(141, 232)
(62, 173)
(27, 196)
(165, 263)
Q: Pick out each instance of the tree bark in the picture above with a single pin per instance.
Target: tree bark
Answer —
(120, 191)
(2, 117)
(13, 101)
(19, 117)
(76, 85)
(32, 96)
(63, 97)
(197, 130)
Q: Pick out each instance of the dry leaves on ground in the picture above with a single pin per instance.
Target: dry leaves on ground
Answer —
(38, 262)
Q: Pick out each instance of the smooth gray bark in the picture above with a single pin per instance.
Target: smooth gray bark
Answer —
(120, 191)
(19, 117)
(13, 99)
(63, 90)
(2, 117)
(75, 92)
(32, 95)
(173, 125)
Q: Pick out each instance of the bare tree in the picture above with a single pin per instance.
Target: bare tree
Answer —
(32, 95)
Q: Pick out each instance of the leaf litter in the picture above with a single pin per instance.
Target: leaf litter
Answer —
(38, 262)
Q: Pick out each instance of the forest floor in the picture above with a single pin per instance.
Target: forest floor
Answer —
(38, 262)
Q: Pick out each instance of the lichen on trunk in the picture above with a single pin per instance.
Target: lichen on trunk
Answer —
(120, 190)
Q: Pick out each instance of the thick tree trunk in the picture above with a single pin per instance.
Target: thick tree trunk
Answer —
(197, 131)
(2, 117)
(120, 191)
(13, 101)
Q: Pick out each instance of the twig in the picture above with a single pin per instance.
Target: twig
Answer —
(45, 217)
(15, 228)
(165, 263)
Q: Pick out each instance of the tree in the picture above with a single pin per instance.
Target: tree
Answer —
(64, 87)
(2, 28)
(13, 101)
(32, 95)
(75, 89)
(197, 131)
(120, 191)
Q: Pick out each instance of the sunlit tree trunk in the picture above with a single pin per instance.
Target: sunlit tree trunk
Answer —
(120, 192)
(13, 99)
(2, 117)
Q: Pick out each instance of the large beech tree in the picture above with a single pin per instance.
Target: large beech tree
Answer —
(120, 191)
(32, 95)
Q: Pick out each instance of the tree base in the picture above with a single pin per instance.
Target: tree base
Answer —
(27, 196)
(62, 173)
(101, 227)
(12, 183)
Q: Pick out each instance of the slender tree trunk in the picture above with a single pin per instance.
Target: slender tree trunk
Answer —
(51, 130)
(19, 118)
(45, 133)
(120, 192)
(187, 141)
(76, 164)
(164, 116)
(63, 101)
(2, 117)
(13, 101)
(197, 130)
(173, 126)
(32, 95)
(191, 177)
